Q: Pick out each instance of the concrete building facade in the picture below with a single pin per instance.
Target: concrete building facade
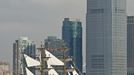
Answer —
(106, 34)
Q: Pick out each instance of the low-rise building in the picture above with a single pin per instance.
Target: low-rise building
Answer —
(4, 68)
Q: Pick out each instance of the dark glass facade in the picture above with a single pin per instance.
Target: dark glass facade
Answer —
(54, 45)
(15, 58)
(130, 45)
(72, 35)
(31, 51)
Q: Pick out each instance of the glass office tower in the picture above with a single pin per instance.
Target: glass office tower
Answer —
(106, 30)
(72, 35)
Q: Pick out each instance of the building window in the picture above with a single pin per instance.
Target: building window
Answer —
(94, 11)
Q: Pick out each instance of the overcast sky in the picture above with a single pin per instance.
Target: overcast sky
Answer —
(38, 19)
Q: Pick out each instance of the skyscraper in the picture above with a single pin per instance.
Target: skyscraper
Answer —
(72, 35)
(22, 46)
(130, 45)
(106, 37)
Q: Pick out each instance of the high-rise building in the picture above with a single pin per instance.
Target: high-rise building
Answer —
(106, 34)
(130, 45)
(54, 45)
(22, 46)
(72, 35)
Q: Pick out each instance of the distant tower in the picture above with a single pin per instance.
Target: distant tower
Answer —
(130, 45)
(21, 46)
(72, 35)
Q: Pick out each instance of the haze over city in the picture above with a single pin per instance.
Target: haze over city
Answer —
(38, 19)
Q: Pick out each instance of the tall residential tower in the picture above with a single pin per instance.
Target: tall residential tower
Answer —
(22, 46)
(72, 35)
(106, 32)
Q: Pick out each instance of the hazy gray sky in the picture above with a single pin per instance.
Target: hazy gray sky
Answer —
(37, 19)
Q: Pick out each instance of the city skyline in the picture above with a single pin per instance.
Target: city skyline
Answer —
(14, 24)
(37, 25)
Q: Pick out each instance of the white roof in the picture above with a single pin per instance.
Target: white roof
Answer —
(53, 60)
(52, 71)
(74, 72)
(28, 72)
(31, 62)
